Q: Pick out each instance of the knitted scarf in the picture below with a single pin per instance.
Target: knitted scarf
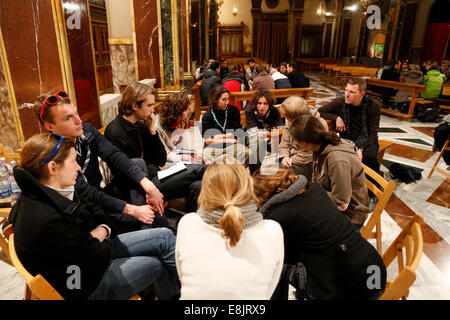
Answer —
(284, 196)
(249, 211)
(364, 135)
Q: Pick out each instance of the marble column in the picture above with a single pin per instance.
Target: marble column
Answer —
(8, 134)
(31, 50)
(122, 64)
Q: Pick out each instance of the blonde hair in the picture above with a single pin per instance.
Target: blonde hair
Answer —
(294, 107)
(227, 186)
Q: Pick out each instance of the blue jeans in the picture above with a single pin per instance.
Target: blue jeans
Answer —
(138, 260)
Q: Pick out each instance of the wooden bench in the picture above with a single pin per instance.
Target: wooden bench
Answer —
(278, 93)
(414, 88)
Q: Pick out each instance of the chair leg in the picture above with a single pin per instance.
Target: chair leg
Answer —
(438, 158)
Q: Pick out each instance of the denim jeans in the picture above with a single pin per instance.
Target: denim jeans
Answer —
(138, 260)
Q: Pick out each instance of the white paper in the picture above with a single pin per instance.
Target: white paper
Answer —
(172, 170)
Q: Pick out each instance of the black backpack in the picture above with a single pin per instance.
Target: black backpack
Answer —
(403, 173)
(429, 113)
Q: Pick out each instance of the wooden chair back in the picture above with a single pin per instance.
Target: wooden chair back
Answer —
(407, 249)
(4, 237)
(4, 154)
(383, 193)
(40, 288)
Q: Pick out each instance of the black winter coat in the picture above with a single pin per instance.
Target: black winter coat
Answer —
(52, 233)
(335, 255)
(210, 80)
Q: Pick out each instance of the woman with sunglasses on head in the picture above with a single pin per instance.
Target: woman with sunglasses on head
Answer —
(56, 231)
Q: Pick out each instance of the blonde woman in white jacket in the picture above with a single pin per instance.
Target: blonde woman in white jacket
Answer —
(226, 251)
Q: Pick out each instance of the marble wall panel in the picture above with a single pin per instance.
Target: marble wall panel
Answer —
(82, 60)
(168, 38)
(32, 53)
(122, 64)
(8, 134)
(147, 41)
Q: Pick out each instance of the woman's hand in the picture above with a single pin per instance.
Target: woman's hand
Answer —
(99, 233)
(286, 162)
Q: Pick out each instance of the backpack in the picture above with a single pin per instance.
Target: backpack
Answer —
(403, 173)
(428, 113)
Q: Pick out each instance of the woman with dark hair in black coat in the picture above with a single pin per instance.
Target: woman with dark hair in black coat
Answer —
(332, 260)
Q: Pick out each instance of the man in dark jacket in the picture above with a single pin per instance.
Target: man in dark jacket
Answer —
(133, 132)
(390, 74)
(297, 78)
(211, 78)
(58, 114)
(357, 118)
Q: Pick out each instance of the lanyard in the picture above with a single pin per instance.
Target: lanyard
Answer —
(224, 123)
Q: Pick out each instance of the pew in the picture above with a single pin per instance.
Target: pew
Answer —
(414, 88)
(247, 95)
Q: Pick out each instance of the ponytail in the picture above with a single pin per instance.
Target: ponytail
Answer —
(232, 224)
(331, 138)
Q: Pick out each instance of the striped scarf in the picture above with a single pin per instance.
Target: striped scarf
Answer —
(80, 140)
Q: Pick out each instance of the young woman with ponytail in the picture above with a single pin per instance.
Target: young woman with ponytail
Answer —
(226, 250)
(336, 167)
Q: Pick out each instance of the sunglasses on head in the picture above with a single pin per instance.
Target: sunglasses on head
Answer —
(52, 100)
(55, 149)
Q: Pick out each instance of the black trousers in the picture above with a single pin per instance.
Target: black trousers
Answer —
(370, 157)
(186, 183)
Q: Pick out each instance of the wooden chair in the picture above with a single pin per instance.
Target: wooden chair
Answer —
(383, 194)
(408, 249)
(37, 287)
(4, 236)
(446, 147)
(4, 154)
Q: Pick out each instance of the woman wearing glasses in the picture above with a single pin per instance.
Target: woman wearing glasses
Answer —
(71, 242)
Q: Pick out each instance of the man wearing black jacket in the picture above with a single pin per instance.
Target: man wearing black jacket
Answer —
(211, 78)
(133, 132)
(297, 78)
(58, 115)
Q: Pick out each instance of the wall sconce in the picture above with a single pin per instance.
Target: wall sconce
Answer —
(320, 10)
(235, 9)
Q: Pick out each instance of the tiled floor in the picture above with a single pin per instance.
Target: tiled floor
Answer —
(427, 197)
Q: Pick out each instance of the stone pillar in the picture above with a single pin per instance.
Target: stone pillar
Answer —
(31, 52)
(11, 132)
(121, 43)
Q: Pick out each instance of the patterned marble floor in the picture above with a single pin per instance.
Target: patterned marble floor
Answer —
(427, 197)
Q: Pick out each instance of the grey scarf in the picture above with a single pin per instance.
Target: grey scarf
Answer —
(284, 196)
(249, 211)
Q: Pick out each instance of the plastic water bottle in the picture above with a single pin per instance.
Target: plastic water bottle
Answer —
(14, 187)
(4, 179)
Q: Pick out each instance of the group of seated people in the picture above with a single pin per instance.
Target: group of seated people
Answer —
(251, 230)
(257, 76)
(429, 74)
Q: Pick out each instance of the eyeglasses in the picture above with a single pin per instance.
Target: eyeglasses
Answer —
(52, 100)
(55, 149)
